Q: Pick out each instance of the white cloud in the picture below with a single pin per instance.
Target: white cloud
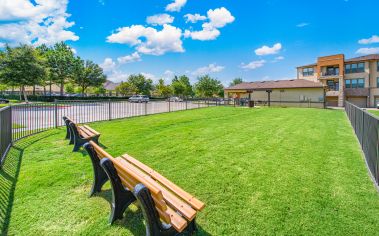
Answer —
(129, 58)
(117, 76)
(102, 2)
(150, 76)
(2, 45)
(205, 34)
(253, 65)
(211, 68)
(147, 40)
(73, 50)
(372, 39)
(193, 18)
(168, 74)
(266, 50)
(35, 22)
(218, 18)
(160, 19)
(176, 5)
(279, 58)
(108, 65)
(301, 25)
(367, 51)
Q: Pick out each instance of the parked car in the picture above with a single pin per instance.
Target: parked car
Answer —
(139, 98)
(377, 104)
(175, 99)
(3, 101)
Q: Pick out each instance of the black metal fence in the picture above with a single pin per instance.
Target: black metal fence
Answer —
(5, 132)
(366, 127)
(22, 120)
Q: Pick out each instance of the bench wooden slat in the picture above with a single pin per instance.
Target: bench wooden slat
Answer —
(188, 198)
(169, 198)
(121, 168)
(101, 153)
(176, 221)
(86, 133)
(92, 130)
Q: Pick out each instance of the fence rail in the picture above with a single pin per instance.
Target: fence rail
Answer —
(22, 120)
(5, 132)
(366, 127)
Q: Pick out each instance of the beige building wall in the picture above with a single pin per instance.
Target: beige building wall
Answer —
(311, 78)
(293, 94)
(374, 91)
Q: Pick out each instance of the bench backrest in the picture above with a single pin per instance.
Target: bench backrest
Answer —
(174, 205)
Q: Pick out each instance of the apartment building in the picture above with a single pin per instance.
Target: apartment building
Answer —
(355, 80)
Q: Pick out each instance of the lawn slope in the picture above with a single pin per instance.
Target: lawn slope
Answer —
(259, 171)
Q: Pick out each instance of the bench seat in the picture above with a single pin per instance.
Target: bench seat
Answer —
(79, 134)
(171, 204)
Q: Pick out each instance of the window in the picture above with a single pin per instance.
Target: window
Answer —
(377, 66)
(348, 83)
(308, 71)
(355, 68)
(355, 83)
(377, 82)
(361, 83)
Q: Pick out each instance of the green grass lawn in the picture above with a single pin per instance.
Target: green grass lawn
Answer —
(375, 112)
(282, 171)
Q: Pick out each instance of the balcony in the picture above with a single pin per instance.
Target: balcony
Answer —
(357, 92)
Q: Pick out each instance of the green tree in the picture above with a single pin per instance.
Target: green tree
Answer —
(87, 74)
(69, 88)
(22, 66)
(208, 87)
(163, 90)
(140, 84)
(181, 86)
(99, 90)
(236, 81)
(125, 88)
(61, 63)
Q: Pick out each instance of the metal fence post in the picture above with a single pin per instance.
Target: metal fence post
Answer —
(186, 104)
(109, 109)
(145, 108)
(56, 112)
(169, 105)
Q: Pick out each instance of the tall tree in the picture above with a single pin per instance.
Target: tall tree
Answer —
(87, 74)
(181, 86)
(140, 84)
(22, 66)
(163, 90)
(208, 87)
(236, 81)
(61, 61)
(125, 88)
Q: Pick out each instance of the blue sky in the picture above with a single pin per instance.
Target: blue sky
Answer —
(254, 40)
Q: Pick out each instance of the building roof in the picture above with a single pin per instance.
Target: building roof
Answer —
(276, 84)
(110, 86)
(364, 58)
(355, 59)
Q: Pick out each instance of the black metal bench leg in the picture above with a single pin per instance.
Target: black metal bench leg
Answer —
(78, 142)
(121, 197)
(154, 225)
(100, 177)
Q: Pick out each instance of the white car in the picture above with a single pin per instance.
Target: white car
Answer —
(175, 99)
(139, 98)
(377, 104)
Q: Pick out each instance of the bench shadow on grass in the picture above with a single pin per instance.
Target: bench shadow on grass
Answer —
(9, 173)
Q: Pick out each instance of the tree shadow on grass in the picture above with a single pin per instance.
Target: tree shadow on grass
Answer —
(9, 173)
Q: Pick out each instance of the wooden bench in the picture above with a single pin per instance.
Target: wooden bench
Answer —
(167, 209)
(79, 134)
